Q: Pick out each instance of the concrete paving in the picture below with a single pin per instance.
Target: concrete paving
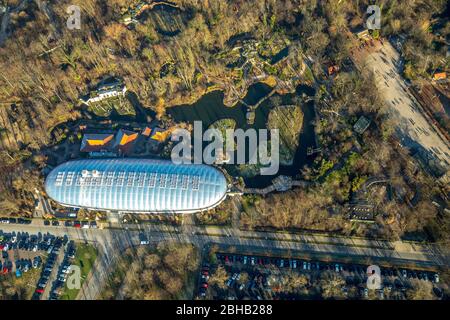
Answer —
(414, 128)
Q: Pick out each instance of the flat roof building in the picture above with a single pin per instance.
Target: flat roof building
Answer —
(136, 185)
(361, 125)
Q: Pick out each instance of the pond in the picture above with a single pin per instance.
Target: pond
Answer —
(210, 108)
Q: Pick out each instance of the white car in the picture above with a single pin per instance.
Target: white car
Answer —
(294, 264)
(14, 239)
(304, 265)
(336, 267)
(252, 261)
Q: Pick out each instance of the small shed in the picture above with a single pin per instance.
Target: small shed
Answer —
(361, 125)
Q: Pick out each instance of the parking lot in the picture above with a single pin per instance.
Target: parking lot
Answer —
(22, 252)
(61, 273)
(80, 224)
(261, 278)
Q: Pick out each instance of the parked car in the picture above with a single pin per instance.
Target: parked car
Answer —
(68, 223)
(143, 239)
(294, 264)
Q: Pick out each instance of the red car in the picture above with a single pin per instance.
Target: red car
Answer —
(204, 285)
(77, 225)
(39, 290)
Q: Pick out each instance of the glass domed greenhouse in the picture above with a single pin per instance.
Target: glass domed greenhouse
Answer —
(136, 185)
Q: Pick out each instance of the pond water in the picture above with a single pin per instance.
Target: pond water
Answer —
(210, 108)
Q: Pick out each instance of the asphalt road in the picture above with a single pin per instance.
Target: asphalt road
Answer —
(113, 241)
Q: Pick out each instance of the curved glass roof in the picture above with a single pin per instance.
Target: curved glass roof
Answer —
(140, 185)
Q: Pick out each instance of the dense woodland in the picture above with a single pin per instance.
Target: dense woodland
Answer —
(45, 67)
(160, 274)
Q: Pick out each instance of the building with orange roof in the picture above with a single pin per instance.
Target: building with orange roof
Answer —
(125, 140)
(159, 135)
(96, 142)
(440, 76)
(333, 69)
(146, 131)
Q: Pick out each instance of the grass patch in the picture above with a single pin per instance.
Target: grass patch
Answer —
(223, 125)
(12, 288)
(84, 258)
(105, 107)
(289, 120)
